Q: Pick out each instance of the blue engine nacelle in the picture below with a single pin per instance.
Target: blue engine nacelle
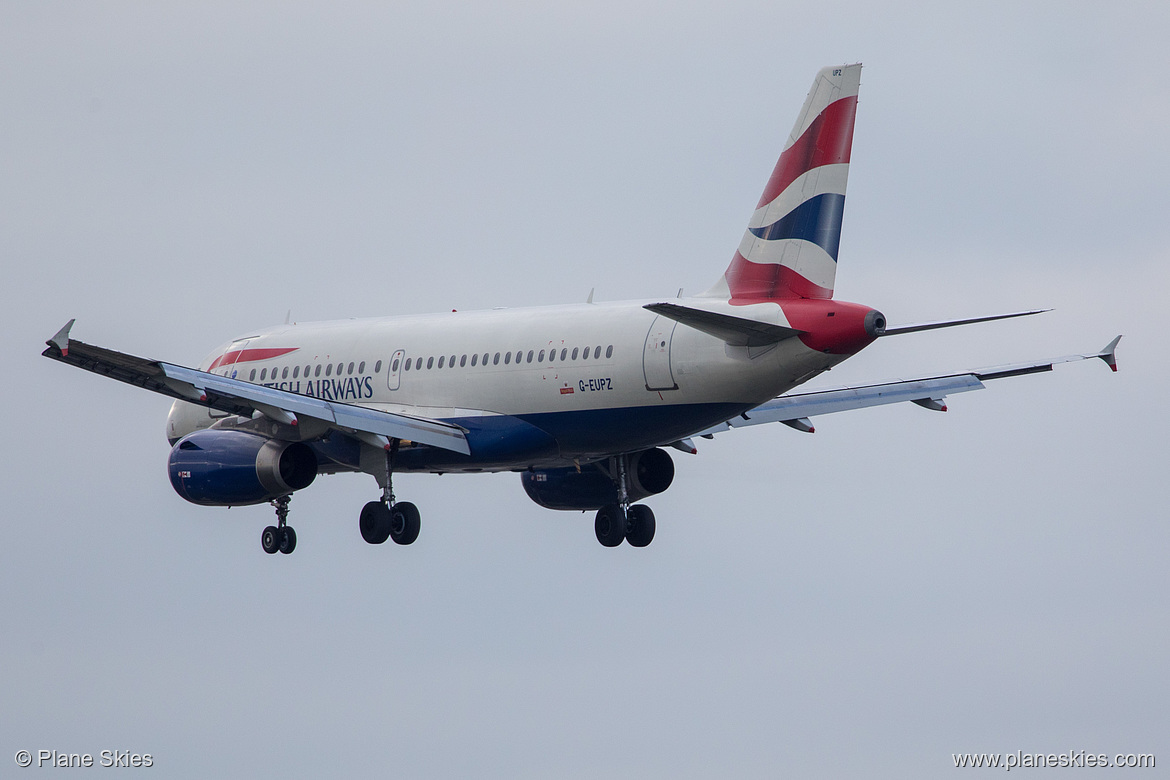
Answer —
(235, 468)
(650, 472)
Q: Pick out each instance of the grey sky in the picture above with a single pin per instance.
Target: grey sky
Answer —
(865, 601)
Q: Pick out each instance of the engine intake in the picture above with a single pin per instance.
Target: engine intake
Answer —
(235, 468)
(649, 472)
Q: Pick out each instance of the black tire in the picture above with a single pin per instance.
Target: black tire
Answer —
(375, 522)
(404, 522)
(640, 525)
(610, 525)
(270, 539)
(288, 539)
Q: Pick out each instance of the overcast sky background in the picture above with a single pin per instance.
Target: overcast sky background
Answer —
(866, 601)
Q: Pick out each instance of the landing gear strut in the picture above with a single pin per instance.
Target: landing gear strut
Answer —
(389, 519)
(620, 522)
(280, 537)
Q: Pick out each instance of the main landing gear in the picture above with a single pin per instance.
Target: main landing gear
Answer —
(280, 537)
(615, 524)
(389, 519)
(620, 522)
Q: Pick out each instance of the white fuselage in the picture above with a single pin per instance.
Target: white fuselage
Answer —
(535, 386)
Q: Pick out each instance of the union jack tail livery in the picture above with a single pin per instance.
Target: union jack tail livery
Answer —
(789, 249)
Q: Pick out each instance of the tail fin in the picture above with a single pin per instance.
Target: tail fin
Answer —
(790, 247)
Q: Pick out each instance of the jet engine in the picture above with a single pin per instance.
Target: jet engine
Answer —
(235, 468)
(647, 473)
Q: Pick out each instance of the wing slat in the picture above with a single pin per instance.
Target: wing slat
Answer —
(236, 396)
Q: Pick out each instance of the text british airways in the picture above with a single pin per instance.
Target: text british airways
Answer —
(353, 388)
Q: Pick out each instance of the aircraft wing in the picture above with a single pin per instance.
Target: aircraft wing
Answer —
(235, 396)
(795, 409)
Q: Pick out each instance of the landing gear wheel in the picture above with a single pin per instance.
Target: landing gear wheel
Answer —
(641, 525)
(404, 522)
(270, 539)
(288, 539)
(375, 522)
(610, 525)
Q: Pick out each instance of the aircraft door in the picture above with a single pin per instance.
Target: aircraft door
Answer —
(394, 372)
(656, 355)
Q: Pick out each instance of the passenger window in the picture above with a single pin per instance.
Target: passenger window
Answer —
(574, 353)
(540, 357)
(485, 357)
(339, 367)
(507, 358)
(529, 356)
(431, 362)
(441, 359)
(407, 366)
(609, 351)
(394, 365)
(284, 373)
(564, 354)
(362, 367)
(252, 376)
(596, 352)
(496, 359)
(263, 373)
(329, 370)
(475, 358)
(296, 371)
(378, 367)
(585, 353)
(463, 361)
(350, 369)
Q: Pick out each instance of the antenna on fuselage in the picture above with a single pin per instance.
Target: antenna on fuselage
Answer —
(589, 298)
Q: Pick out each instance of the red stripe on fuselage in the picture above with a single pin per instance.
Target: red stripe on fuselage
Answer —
(248, 355)
(826, 141)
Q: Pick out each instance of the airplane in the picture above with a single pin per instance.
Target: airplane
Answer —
(582, 400)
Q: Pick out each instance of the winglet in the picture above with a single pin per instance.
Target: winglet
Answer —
(61, 339)
(1109, 354)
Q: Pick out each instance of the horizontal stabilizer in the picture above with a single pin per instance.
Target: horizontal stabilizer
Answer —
(736, 331)
(914, 328)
